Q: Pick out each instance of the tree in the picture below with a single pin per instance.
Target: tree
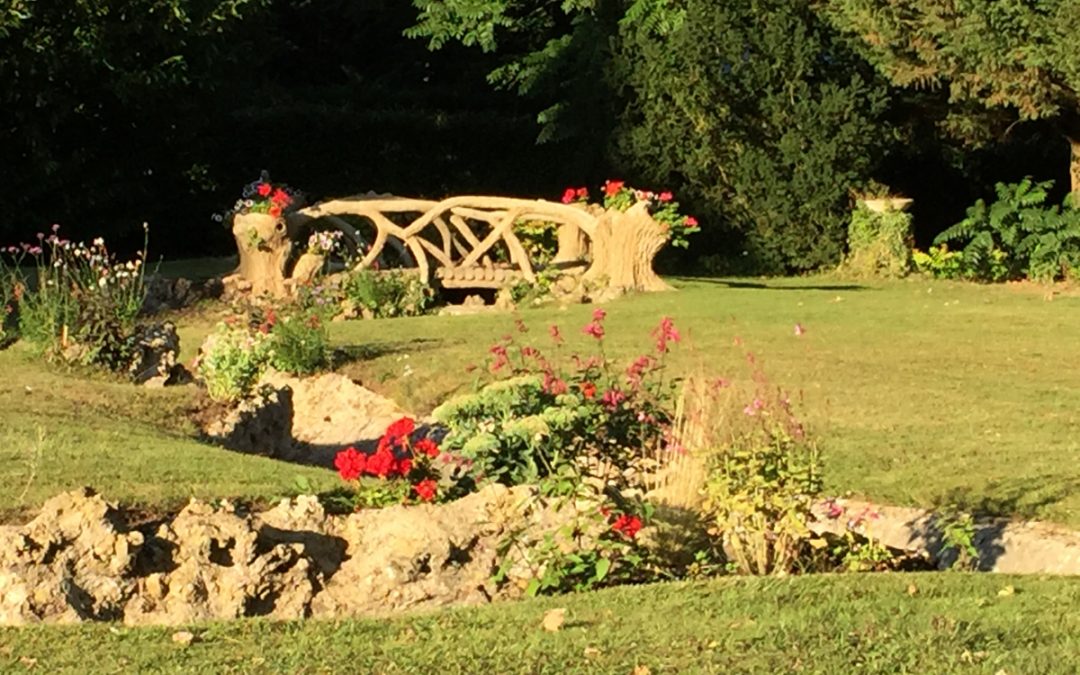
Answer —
(757, 112)
(999, 59)
(751, 107)
(97, 92)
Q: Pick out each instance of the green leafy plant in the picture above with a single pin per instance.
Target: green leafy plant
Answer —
(1034, 240)
(388, 293)
(879, 244)
(598, 546)
(301, 344)
(593, 416)
(761, 486)
(958, 539)
(83, 302)
(233, 361)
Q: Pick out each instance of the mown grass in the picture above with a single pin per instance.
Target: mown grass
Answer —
(888, 623)
(920, 392)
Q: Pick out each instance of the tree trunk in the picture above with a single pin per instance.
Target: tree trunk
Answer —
(264, 245)
(1074, 166)
(623, 249)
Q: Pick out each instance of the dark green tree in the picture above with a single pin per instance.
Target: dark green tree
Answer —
(758, 112)
(100, 95)
(1000, 61)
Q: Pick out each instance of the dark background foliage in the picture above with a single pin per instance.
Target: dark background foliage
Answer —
(759, 114)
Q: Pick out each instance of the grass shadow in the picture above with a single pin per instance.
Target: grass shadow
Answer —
(368, 352)
(764, 286)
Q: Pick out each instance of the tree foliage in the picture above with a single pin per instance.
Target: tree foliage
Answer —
(1014, 59)
(753, 108)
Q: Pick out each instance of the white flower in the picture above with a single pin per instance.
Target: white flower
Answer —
(99, 242)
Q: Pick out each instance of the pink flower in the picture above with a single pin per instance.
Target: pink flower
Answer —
(612, 398)
(753, 407)
(666, 196)
(582, 193)
(569, 195)
(664, 333)
(594, 329)
(554, 385)
(598, 314)
(501, 358)
(690, 222)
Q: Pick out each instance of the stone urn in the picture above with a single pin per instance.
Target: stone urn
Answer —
(886, 204)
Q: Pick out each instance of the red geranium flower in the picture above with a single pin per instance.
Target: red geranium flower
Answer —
(569, 195)
(274, 210)
(264, 189)
(588, 390)
(582, 193)
(690, 222)
(666, 197)
(628, 526)
(382, 463)
(280, 197)
(404, 466)
(426, 446)
(399, 431)
(426, 489)
(350, 463)
(612, 187)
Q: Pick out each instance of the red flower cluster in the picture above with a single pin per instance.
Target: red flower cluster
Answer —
(386, 463)
(426, 490)
(612, 187)
(690, 222)
(572, 195)
(627, 526)
(279, 199)
(352, 464)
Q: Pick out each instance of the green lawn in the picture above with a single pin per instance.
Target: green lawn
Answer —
(921, 392)
(885, 623)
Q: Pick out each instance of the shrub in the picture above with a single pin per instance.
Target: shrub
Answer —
(387, 294)
(84, 302)
(233, 361)
(301, 344)
(785, 119)
(761, 487)
(879, 244)
(1020, 234)
(599, 420)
